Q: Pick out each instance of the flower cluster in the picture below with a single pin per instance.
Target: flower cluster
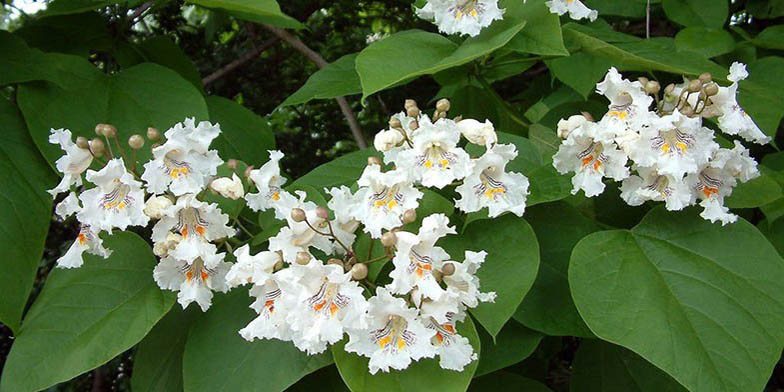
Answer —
(674, 157)
(309, 285)
(464, 17)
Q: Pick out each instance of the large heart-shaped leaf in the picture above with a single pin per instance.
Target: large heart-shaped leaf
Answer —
(335, 80)
(513, 344)
(423, 375)
(707, 13)
(246, 136)
(700, 301)
(24, 215)
(217, 358)
(84, 317)
(509, 270)
(542, 32)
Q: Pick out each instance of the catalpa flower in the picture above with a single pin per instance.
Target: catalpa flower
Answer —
(327, 302)
(489, 185)
(75, 161)
(479, 133)
(650, 184)
(463, 282)
(435, 160)
(271, 309)
(184, 164)
(454, 351)
(197, 222)
(193, 281)
(383, 198)
(87, 241)
(270, 193)
(417, 257)
(733, 119)
(591, 158)
(576, 9)
(628, 109)
(344, 204)
(461, 16)
(300, 236)
(67, 207)
(256, 269)
(394, 335)
(117, 201)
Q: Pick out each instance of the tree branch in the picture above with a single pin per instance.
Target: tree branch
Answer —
(252, 54)
(295, 42)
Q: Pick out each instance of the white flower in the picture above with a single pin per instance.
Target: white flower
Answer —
(75, 161)
(197, 222)
(299, 236)
(230, 188)
(344, 204)
(454, 351)
(650, 184)
(387, 140)
(162, 248)
(435, 159)
(489, 185)
(736, 162)
(155, 206)
(675, 144)
(184, 164)
(271, 309)
(87, 240)
(383, 198)
(590, 159)
(255, 269)
(270, 193)
(565, 127)
(194, 281)
(67, 207)
(417, 257)
(482, 134)
(394, 336)
(576, 9)
(733, 119)
(327, 303)
(463, 282)
(117, 201)
(628, 109)
(461, 16)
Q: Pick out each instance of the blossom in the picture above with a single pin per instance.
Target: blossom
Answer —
(417, 257)
(651, 184)
(327, 302)
(463, 282)
(461, 16)
(344, 204)
(565, 127)
(733, 119)
(591, 159)
(383, 198)
(257, 268)
(156, 206)
(394, 337)
(628, 109)
(184, 164)
(300, 236)
(388, 139)
(454, 351)
(489, 185)
(271, 309)
(117, 201)
(230, 188)
(193, 281)
(162, 248)
(576, 9)
(435, 160)
(67, 207)
(87, 241)
(479, 133)
(269, 183)
(75, 161)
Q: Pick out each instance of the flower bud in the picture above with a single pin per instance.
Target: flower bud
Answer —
(409, 216)
(395, 123)
(482, 134)
(322, 212)
(705, 77)
(412, 112)
(359, 271)
(247, 171)
(303, 258)
(670, 89)
(107, 130)
(153, 134)
(298, 215)
(437, 275)
(565, 127)
(652, 87)
(587, 116)
(410, 103)
(389, 239)
(232, 164)
(443, 105)
(230, 188)
(278, 265)
(711, 89)
(155, 206)
(136, 142)
(687, 111)
(643, 81)
(374, 160)
(387, 139)
(694, 86)
(335, 262)
(97, 147)
(448, 269)
(414, 125)
(82, 142)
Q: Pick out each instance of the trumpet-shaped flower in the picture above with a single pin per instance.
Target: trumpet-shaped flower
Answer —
(300, 236)
(733, 119)
(489, 185)
(230, 188)
(272, 309)
(628, 109)
(256, 269)
(270, 193)
(87, 241)
(454, 351)
(383, 198)
(344, 204)
(576, 9)
(461, 16)
(193, 281)
(117, 201)
(650, 184)
(75, 161)
(67, 207)
(479, 133)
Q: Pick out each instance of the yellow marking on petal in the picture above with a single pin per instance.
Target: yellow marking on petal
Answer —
(619, 114)
(665, 148)
(392, 204)
(189, 275)
(333, 309)
(444, 163)
(200, 230)
(681, 146)
(204, 276)
(276, 196)
(708, 191)
(184, 232)
(428, 164)
(82, 239)
(383, 342)
(474, 13)
(401, 344)
(379, 203)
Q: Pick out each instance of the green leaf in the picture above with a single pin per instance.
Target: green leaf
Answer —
(541, 34)
(708, 42)
(162, 50)
(260, 11)
(505, 380)
(708, 13)
(157, 365)
(217, 358)
(24, 215)
(548, 307)
(755, 193)
(604, 367)
(335, 80)
(66, 7)
(774, 231)
(77, 34)
(684, 294)
(628, 8)
(413, 53)
(146, 95)
(513, 344)
(592, 70)
(509, 269)
(245, 135)
(84, 317)
(423, 375)
(341, 171)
